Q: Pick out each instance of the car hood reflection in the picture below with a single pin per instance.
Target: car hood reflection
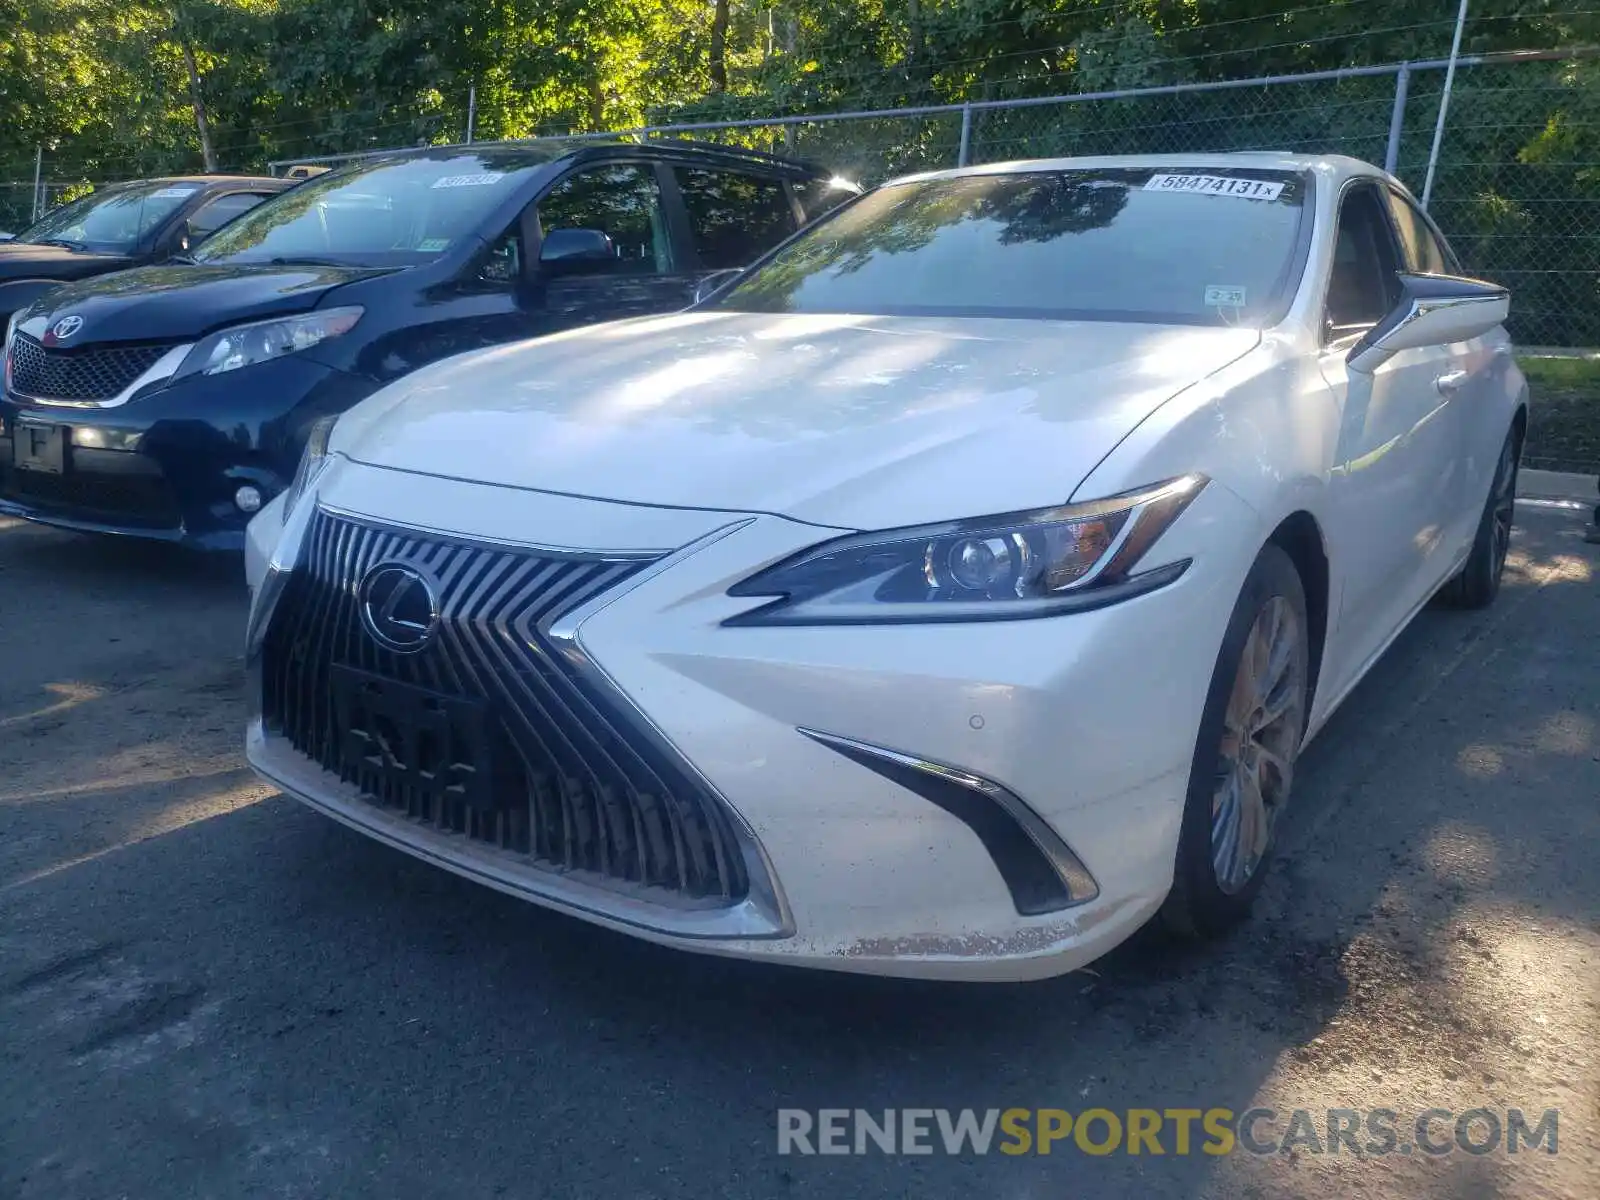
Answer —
(838, 420)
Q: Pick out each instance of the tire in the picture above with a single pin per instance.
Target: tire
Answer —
(1478, 582)
(1211, 890)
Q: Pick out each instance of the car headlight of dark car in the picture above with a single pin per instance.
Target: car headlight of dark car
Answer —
(261, 341)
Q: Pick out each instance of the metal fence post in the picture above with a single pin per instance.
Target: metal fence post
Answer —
(38, 166)
(472, 109)
(966, 135)
(1444, 106)
(1397, 119)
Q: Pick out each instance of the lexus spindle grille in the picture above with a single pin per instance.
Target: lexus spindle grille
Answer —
(553, 770)
(92, 373)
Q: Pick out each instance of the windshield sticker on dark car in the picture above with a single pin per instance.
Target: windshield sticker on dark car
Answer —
(482, 179)
(1217, 185)
(173, 193)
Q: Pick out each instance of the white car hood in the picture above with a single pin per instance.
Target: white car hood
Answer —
(855, 422)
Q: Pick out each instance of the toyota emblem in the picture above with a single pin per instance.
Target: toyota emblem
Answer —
(399, 607)
(66, 327)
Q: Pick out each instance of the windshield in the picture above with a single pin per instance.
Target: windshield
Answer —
(1171, 246)
(111, 221)
(383, 214)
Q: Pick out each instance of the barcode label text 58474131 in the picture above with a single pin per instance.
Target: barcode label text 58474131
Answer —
(1217, 185)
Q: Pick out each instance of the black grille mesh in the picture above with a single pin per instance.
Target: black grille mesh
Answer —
(92, 373)
(590, 793)
(133, 501)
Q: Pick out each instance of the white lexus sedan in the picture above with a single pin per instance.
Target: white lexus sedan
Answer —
(946, 595)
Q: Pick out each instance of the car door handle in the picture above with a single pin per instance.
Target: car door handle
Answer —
(1450, 383)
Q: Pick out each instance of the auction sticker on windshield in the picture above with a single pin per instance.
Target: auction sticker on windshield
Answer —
(1216, 185)
(172, 193)
(1224, 295)
(483, 179)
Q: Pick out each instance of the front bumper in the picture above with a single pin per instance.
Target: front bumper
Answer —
(168, 465)
(1088, 719)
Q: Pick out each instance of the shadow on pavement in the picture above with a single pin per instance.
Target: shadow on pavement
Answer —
(254, 997)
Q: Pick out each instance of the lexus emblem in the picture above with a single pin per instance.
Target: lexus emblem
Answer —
(66, 327)
(399, 607)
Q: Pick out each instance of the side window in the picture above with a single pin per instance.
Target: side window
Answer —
(1362, 287)
(1417, 241)
(734, 219)
(213, 215)
(606, 221)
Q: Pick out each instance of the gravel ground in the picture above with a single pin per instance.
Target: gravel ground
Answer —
(206, 990)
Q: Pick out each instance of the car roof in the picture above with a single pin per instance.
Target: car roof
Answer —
(1337, 167)
(206, 180)
(534, 152)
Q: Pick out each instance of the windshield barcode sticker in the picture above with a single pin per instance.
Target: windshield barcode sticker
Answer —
(1216, 185)
(483, 179)
(172, 193)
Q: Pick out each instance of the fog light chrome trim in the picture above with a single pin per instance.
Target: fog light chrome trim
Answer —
(1040, 870)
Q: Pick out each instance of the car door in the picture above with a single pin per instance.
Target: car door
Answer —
(1391, 486)
(1469, 380)
(645, 267)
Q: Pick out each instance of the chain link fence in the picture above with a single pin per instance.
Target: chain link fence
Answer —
(20, 200)
(1516, 184)
(1517, 187)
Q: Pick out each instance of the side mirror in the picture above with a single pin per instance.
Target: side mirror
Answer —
(1434, 310)
(714, 283)
(571, 251)
(186, 239)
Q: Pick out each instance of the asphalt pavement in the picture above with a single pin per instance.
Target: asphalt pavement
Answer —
(207, 990)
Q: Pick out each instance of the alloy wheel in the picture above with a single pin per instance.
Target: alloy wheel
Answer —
(1505, 503)
(1260, 742)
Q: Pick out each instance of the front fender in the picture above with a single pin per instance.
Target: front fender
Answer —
(1266, 427)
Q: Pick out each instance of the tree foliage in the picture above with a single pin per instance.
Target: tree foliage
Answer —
(104, 87)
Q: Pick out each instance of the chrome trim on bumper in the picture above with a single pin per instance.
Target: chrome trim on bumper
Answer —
(163, 368)
(457, 539)
(289, 771)
(1011, 854)
(564, 632)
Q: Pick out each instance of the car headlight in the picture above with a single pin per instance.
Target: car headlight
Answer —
(1029, 564)
(312, 463)
(11, 332)
(261, 341)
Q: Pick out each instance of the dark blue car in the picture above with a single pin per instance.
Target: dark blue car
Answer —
(172, 402)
